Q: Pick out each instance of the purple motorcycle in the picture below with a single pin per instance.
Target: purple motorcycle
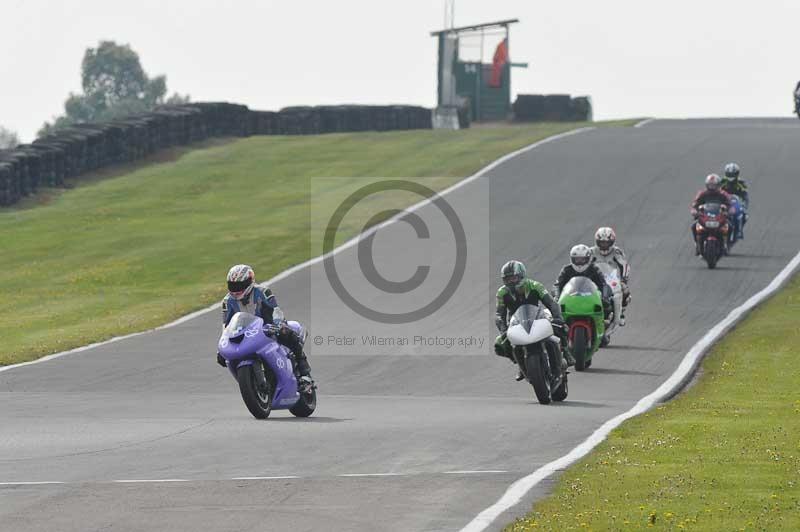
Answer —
(264, 368)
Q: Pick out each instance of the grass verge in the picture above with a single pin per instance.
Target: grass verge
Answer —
(127, 252)
(724, 455)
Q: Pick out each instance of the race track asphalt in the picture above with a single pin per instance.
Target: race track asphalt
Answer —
(440, 431)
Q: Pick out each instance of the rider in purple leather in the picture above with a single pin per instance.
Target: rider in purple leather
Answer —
(244, 296)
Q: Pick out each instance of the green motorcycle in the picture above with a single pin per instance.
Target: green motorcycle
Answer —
(582, 308)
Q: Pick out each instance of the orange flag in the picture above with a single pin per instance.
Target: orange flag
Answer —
(500, 59)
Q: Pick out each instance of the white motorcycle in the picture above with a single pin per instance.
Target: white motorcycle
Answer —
(536, 351)
(613, 280)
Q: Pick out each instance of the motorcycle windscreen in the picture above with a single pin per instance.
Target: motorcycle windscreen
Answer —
(713, 208)
(579, 286)
(240, 322)
(525, 316)
(528, 325)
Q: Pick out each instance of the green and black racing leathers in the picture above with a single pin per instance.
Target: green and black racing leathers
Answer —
(509, 300)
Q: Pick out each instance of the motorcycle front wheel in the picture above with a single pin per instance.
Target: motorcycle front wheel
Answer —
(257, 398)
(711, 252)
(538, 373)
(579, 348)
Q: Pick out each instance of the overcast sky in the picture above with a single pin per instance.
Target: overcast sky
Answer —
(681, 58)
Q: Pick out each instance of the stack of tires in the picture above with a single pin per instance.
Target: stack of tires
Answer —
(82, 148)
(552, 108)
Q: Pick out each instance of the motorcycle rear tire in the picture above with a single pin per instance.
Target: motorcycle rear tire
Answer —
(536, 369)
(253, 400)
(306, 405)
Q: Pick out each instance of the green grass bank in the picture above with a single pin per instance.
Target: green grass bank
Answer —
(724, 455)
(127, 252)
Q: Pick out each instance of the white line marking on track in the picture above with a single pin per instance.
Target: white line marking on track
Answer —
(286, 273)
(272, 477)
(673, 384)
(372, 475)
(111, 341)
(644, 122)
(488, 471)
(149, 481)
(39, 483)
(265, 478)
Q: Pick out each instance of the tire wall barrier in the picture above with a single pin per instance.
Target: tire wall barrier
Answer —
(552, 108)
(83, 148)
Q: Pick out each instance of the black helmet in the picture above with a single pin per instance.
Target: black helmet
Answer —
(732, 170)
(513, 273)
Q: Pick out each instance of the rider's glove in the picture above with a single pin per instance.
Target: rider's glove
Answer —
(221, 361)
(559, 328)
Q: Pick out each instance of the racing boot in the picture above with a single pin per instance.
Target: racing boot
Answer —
(289, 338)
(744, 222)
(626, 299)
(303, 369)
(565, 354)
(499, 351)
(695, 238)
(304, 382)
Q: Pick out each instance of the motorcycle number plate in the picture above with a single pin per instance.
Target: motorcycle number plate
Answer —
(711, 223)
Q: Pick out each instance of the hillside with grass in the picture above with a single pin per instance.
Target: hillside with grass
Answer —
(126, 251)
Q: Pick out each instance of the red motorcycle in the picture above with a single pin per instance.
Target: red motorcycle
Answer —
(712, 230)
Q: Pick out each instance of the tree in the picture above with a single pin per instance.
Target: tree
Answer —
(114, 84)
(8, 139)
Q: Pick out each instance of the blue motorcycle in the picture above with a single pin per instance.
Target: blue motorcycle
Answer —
(265, 370)
(736, 217)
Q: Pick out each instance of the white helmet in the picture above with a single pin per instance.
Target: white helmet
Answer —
(240, 281)
(580, 257)
(713, 182)
(604, 239)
